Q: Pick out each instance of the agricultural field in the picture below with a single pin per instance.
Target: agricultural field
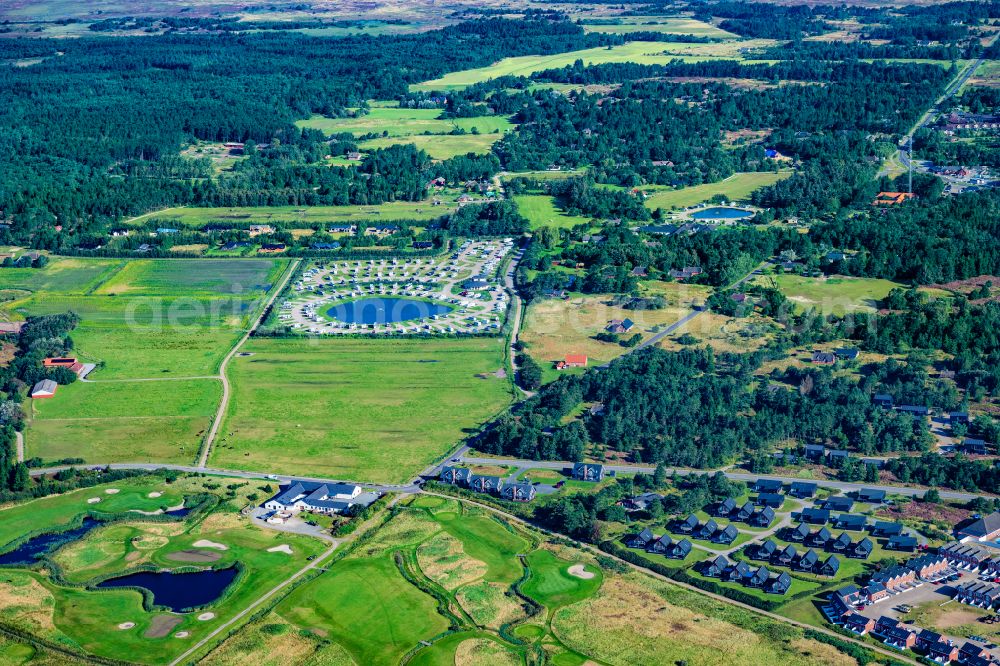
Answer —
(57, 603)
(398, 122)
(367, 410)
(393, 211)
(737, 187)
(668, 25)
(643, 53)
(148, 318)
(422, 128)
(438, 561)
(541, 211)
(834, 295)
(141, 321)
(115, 421)
(553, 327)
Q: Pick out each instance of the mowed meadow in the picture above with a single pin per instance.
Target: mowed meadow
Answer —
(365, 410)
(157, 331)
(441, 138)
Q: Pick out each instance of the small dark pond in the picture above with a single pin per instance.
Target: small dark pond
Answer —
(179, 591)
(385, 310)
(34, 549)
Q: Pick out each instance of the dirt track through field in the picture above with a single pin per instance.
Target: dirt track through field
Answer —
(220, 414)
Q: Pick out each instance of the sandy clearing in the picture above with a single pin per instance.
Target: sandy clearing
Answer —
(154, 495)
(283, 548)
(93, 500)
(578, 571)
(112, 491)
(205, 543)
(205, 617)
(126, 625)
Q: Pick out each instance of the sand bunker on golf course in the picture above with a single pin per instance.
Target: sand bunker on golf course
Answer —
(205, 617)
(154, 495)
(112, 491)
(93, 500)
(126, 625)
(161, 626)
(205, 543)
(283, 548)
(578, 571)
(194, 555)
(181, 634)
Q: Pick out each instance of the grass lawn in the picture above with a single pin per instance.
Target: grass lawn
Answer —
(488, 541)
(107, 422)
(672, 25)
(541, 211)
(551, 585)
(368, 607)
(368, 410)
(643, 53)
(832, 295)
(399, 122)
(737, 187)
(392, 211)
(439, 146)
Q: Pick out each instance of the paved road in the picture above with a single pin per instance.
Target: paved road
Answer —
(224, 403)
(953, 87)
(842, 486)
(234, 473)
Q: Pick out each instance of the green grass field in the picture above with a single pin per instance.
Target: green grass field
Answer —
(392, 211)
(643, 53)
(140, 319)
(149, 318)
(367, 410)
(107, 422)
(423, 128)
(439, 146)
(551, 585)
(397, 122)
(368, 607)
(541, 211)
(737, 187)
(667, 25)
(833, 295)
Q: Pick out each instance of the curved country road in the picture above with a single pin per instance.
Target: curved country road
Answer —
(224, 403)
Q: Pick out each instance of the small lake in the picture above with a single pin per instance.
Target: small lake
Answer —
(385, 310)
(34, 549)
(179, 591)
(722, 213)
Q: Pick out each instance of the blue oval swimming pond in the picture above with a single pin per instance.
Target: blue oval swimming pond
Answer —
(722, 213)
(385, 310)
(179, 591)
